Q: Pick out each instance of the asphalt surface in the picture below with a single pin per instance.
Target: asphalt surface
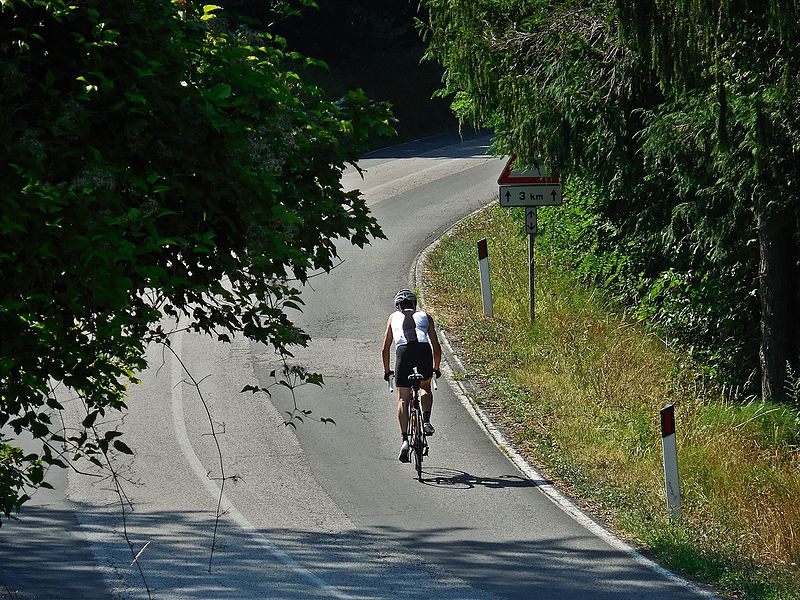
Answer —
(323, 511)
(42, 552)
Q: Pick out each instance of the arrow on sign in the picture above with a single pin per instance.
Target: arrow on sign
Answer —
(530, 195)
(530, 221)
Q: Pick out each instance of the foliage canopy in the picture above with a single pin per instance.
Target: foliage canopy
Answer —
(678, 124)
(158, 159)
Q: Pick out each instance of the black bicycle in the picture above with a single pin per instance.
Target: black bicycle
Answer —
(417, 440)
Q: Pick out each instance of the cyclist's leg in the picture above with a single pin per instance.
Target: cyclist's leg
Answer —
(424, 361)
(403, 402)
(402, 368)
(426, 405)
(403, 399)
(426, 395)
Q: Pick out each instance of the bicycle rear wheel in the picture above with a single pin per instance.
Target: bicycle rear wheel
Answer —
(417, 442)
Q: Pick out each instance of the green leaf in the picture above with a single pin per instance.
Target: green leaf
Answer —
(220, 91)
(209, 10)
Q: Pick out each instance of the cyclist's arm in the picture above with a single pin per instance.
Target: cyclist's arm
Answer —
(387, 344)
(437, 348)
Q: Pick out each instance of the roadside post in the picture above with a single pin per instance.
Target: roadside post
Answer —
(486, 285)
(671, 481)
(530, 188)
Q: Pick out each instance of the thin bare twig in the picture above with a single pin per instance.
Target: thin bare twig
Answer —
(122, 496)
(223, 477)
(67, 460)
(136, 558)
(8, 591)
(123, 500)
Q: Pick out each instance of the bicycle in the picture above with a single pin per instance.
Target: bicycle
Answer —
(417, 440)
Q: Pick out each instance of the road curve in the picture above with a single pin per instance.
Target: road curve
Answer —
(327, 511)
(476, 518)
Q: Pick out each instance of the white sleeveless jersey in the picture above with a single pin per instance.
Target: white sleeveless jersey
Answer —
(408, 326)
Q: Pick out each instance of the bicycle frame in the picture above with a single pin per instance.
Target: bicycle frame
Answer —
(417, 440)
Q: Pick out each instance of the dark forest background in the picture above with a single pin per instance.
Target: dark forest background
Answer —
(367, 44)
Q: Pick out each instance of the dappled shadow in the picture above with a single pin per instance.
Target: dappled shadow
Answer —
(455, 479)
(41, 558)
(273, 562)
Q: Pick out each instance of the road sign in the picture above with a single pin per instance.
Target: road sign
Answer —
(530, 221)
(530, 195)
(538, 174)
(531, 188)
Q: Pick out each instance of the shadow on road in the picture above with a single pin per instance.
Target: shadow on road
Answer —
(455, 479)
(455, 562)
(440, 146)
(41, 558)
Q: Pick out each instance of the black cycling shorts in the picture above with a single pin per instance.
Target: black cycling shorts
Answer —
(410, 355)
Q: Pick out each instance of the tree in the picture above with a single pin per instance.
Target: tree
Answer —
(682, 116)
(159, 159)
(733, 90)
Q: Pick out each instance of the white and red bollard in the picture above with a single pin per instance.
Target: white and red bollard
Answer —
(486, 286)
(671, 480)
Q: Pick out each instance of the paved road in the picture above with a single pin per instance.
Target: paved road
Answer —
(43, 554)
(328, 511)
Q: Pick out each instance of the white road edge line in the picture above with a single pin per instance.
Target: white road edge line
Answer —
(499, 440)
(177, 380)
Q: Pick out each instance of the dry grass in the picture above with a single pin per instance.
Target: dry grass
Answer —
(580, 392)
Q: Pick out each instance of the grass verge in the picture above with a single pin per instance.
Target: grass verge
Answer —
(579, 393)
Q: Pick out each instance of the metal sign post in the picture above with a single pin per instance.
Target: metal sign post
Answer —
(529, 188)
(530, 229)
(531, 239)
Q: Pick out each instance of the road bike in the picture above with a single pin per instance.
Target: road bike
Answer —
(417, 440)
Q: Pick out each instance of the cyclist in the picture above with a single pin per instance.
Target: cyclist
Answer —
(414, 334)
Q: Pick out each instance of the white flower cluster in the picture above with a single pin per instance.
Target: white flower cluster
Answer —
(96, 180)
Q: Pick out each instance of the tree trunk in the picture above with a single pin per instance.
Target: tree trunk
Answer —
(777, 289)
